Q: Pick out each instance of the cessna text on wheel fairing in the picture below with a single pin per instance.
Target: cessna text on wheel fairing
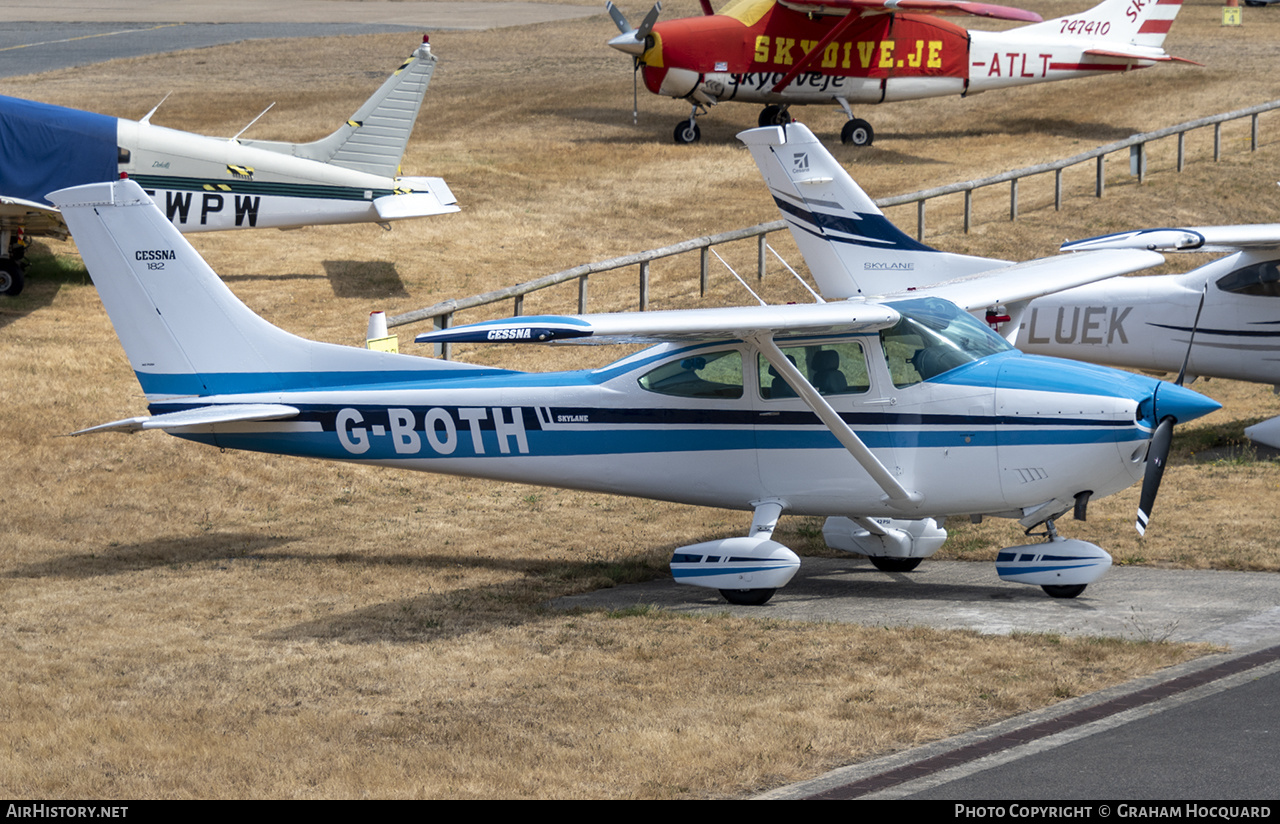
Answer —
(886, 414)
(781, 53)
(1221, 320)
(207, 183)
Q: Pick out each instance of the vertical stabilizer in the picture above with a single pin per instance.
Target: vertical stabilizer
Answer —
(1131, 22)
(185, 333)
(848, 244)
(373, 139)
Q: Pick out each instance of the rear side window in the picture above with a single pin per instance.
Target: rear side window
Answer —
(832, 369)
(709, 375)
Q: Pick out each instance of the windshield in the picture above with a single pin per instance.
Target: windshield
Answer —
(934, 336)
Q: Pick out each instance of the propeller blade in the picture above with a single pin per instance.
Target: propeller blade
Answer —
(1195, 324)
(619, 19)
(1157, 455)
(650, 19)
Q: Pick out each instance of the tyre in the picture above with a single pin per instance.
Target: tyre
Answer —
(774, 116)
(687, 132)
(747, 597)
(11, 279)
(885, 564)
(857, 132)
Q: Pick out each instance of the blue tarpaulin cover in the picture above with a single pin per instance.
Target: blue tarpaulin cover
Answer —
(44, 148)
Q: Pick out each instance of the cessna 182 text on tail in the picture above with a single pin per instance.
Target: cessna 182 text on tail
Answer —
(1221, 320)
(208, 183)
(885, 413)
(781, 53)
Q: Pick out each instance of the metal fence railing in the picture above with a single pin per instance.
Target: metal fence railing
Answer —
(441, 314)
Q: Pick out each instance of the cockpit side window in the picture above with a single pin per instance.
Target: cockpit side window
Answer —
(707, 375)
(832, 368)
(1258, 279)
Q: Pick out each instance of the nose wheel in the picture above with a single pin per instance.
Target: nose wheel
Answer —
(687, 131)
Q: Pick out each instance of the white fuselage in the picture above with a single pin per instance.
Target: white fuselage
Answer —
(967, 446)
(1146, 322)
(206, 184)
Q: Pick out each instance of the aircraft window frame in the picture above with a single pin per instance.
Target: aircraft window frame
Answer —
(1260, 279)
(846, 380)
(701, 376)
(946, 336)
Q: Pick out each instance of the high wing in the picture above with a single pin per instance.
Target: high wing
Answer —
(840, 317)
(756, 323)
(863, 7)
(1036, 278)
(1195, 239)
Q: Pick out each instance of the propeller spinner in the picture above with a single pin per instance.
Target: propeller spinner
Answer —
(632, 40)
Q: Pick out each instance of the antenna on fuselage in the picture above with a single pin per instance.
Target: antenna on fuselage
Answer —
(147, 119)
(251, 122)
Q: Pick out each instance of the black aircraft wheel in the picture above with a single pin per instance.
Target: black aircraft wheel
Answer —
(774, 116)
(11, 279)
(885, 564)
(857, 132)
(747, 597)
(687, 132)
(1064, 591)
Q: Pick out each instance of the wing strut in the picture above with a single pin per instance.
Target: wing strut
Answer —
(895, 493)
(813, 54)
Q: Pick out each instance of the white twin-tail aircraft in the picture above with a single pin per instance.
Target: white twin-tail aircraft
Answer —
(209, 183)
(1220, 320)
(886, 413)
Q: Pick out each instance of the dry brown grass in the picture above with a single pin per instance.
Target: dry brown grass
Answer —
(178, 622)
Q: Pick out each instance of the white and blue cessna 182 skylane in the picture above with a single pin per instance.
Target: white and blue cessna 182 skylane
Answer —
(885, 413)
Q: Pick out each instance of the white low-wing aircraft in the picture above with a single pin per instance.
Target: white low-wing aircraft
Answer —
(885, 413)
(210, 183)
(1221, 320)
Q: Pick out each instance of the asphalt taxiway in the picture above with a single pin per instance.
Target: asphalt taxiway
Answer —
(1208, 729)
(64, 33)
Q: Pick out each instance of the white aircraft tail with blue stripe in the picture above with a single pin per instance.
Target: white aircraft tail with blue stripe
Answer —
(185, 333)
(850, 247)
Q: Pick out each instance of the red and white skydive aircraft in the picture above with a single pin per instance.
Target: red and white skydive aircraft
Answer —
(782, 53)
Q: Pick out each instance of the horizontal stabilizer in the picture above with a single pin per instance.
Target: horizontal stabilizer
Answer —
(201, 416)
(416, 197)
(675, 325)
(1192, 239)
(1158, 57)
(1036, 278)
